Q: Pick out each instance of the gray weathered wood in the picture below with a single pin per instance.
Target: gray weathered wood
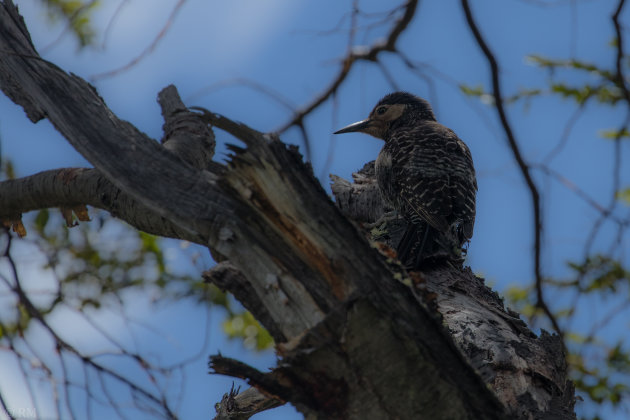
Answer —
(528, 373)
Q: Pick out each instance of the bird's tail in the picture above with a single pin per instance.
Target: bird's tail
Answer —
(415, 245)
(422, 245)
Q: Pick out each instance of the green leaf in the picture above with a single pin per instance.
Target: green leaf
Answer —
(41, 220)
(624, 195)
(614, 134)
(601, 273)
(608, 95)
(580, 95)
(526, 94)
(575, 337)
(151, 244)
(471, 91)
(553, 64)
(9, 169)
(244, 326)
(77, 13)
(517, 294)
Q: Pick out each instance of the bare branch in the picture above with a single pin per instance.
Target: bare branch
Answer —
(252, 84)
(147, 51)
(522, 165)
(111, 21)
(616, 168)
(577, 190)
(620, 55)
(620, 81)
(63, 345)
(6, 409)
(353, 56)
(564, 138)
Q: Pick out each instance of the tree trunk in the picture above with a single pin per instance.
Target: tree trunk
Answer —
(358, 336)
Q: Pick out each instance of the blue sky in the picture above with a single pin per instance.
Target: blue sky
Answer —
(280, 44)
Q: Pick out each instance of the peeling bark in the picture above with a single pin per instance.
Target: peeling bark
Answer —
(528, 373)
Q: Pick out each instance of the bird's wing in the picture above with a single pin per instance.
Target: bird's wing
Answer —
(463, 186)
(427, 211)
(434, 173)
(417, 160)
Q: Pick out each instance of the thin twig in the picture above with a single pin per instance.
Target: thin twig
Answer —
(110, 24)
(616, 172)
(240, 81)
(44, 50)
(564, 138)
(618, 63)
(388, 76)
(147, 51)
(420, 68)
(352, 57)
(619, 79)
(63, 345)
(577, 190)
(332, 144)
(6, 408)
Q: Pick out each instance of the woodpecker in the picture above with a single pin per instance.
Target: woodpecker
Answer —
(425, 172)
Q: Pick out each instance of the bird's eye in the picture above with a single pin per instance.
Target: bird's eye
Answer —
(381, 110)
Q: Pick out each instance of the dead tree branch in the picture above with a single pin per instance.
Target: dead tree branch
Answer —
(72, 187)
(243, 405)
(371, 54)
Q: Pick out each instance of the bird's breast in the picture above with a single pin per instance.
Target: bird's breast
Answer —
(383, 161)
(384, 175)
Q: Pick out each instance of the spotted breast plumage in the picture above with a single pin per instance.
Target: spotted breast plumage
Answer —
(425, 172)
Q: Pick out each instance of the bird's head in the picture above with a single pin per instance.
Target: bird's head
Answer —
(397, 109)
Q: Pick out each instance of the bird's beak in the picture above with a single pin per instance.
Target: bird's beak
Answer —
(357, 126)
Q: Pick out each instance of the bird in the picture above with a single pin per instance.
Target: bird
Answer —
(425, 172)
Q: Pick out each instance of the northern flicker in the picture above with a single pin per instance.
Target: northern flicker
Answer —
(425, 172)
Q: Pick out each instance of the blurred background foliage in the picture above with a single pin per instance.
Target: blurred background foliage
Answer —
(76, 15)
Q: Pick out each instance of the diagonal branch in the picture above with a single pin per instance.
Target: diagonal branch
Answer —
(389, 44)
(620, 81)
(61, 344)
(148, 50)
(619, 59)
(522, 165)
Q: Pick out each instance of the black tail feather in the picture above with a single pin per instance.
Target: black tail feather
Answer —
(415, 244)
(423, 245)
